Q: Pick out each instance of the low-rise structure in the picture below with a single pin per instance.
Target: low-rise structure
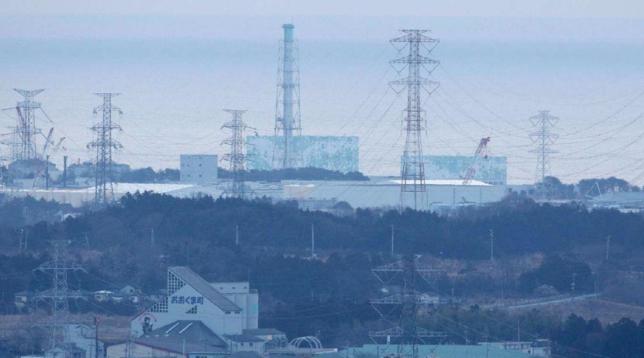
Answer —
(225, 308)
(427, 350)
(183, 338)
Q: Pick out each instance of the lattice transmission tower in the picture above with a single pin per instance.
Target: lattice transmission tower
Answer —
(59, 266)
(236, 157)
(543, 137)
(104, 145)
(23, 146)
(414, 45)
(287, 106)
(399, 309)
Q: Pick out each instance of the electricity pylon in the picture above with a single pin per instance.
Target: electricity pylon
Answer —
(104, 145)
(237, 156)
(412, 44)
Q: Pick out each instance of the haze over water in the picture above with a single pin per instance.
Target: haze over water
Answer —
(176, 73)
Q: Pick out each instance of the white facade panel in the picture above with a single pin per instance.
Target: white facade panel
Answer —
(188, 303)
(338, 153)
(198, 168)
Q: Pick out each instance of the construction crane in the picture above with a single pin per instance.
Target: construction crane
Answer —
(49, 148)
(481, 152)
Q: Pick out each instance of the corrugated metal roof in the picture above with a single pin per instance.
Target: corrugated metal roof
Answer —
(204, 288)
(191, 336)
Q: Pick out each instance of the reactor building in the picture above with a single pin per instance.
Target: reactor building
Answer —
(493, 170)
(287, 147)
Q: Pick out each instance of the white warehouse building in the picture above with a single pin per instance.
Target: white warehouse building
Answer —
(225, 308)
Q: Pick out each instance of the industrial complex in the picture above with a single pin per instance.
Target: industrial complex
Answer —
(388, 232)
(427, 182)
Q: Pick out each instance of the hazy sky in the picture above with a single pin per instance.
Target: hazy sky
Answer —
(178, 63)
(488, 8)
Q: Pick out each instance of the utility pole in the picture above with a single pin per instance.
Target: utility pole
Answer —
(543, 137)
(607, 247)
(237, 156)
(95, 337)
(393, 238)
(64, 171)
(412, 44)
(47, 172)
(312, 240)
(492, 245)
(104, 144)
(22, 243)
(59, 267)
(287, 106)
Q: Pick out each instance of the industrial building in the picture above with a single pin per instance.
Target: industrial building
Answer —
(496, 350)
(385, 192)
(490, 170)
(338, 153)
(80, 341)
(374, 193)
(225, 308)
(199, 319)
(198, 168)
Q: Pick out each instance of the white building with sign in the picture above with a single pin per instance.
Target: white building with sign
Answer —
(225, 308)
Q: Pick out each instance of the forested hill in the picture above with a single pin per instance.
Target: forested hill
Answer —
(520, 226)
(135, 240)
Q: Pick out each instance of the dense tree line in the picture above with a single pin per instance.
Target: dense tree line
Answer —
(134, 241)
